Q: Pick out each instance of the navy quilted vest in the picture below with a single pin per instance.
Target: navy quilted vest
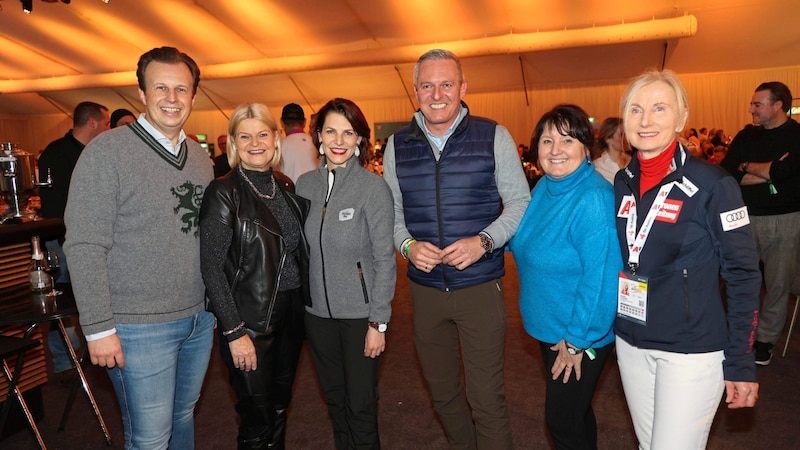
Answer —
(451, 199)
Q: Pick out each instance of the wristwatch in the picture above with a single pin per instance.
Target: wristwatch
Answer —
(381, 327)
(486, 242)
(572, 350)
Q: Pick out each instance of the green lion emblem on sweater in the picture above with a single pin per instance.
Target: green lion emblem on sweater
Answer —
(190, 197)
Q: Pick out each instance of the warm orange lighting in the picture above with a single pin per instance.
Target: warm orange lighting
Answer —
(656, 29)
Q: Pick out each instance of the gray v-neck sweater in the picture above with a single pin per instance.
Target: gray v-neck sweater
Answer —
(132, 230)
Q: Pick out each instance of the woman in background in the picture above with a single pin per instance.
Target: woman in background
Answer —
(611, 142)
(567, 258)
(353, 272)
(681, 224)
(121, 117)
(254, 260)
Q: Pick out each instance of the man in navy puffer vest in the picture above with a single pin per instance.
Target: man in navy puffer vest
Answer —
(459, 194)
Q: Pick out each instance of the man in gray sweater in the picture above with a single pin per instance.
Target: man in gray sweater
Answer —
(132, 242)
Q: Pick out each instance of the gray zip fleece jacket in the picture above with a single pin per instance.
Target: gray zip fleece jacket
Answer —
(349, 230)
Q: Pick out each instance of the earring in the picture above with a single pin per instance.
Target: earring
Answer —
(321, 151)
(358, 152)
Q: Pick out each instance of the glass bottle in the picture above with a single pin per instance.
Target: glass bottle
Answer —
(37, 268)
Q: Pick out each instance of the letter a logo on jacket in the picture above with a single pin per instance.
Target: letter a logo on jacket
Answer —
(625, 206)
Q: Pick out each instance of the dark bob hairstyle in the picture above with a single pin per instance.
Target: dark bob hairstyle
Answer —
(569, 120)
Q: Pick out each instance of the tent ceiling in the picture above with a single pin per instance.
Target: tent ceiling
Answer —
(311, 50)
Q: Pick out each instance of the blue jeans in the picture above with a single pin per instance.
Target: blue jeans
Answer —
(165, 364)
(61, 359)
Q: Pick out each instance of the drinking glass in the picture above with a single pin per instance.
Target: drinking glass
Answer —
(53, 265)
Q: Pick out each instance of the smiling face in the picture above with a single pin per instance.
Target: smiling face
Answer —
(560, 155)
(338, 139)
(256, 144)
(653, 119)
(439, 89)
(167, 97)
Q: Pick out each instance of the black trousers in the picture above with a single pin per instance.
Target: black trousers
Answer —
(263, 395)
(568, 407)
(348, 378)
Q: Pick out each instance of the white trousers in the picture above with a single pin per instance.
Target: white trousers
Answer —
(672, 397)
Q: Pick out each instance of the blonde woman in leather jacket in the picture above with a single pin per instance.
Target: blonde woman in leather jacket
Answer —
(255, 263)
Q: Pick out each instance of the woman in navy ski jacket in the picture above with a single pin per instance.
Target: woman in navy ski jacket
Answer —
(681, 224)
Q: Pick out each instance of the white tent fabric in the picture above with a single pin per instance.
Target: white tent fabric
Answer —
(519, 57)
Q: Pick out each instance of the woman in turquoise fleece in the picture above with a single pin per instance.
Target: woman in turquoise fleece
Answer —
(568, 260)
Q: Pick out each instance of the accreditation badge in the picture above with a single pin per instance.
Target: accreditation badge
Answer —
(632, 298)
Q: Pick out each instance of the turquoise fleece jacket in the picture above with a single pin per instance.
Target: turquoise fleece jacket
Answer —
(568, 260)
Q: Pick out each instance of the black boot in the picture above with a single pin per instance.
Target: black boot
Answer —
(258, 443)
(279, 431)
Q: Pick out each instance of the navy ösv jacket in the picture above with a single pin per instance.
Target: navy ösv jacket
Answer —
(702, 232)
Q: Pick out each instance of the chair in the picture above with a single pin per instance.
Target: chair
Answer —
(16, 347)
(791, 324)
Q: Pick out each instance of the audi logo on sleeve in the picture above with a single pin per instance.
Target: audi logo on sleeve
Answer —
(734, 219)
(735, 216)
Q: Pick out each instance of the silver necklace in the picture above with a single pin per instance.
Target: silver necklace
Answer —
(258, 193)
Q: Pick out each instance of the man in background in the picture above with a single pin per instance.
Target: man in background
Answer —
(60, 156)
(132, 240)
(298, 154)
(221, 165)
(459, 195)
(765, 159)
(58, 159)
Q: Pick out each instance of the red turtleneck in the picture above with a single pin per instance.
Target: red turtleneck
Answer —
(655, 169)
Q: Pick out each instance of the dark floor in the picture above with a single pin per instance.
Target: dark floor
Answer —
(406, 418)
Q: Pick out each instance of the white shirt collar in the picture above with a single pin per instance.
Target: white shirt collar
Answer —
(159, 136)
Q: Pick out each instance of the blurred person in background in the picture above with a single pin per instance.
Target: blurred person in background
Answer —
(121, 117)
(765, 160)
(58, 159)
(221, 165)
(298, 153)
(611, 146)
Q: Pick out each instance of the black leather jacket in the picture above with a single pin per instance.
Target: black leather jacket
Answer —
(258, 250)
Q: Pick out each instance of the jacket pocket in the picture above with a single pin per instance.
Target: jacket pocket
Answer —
(363, 283)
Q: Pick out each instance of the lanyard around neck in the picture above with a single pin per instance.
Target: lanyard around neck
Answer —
(636, 240)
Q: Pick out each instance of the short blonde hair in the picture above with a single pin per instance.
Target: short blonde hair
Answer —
(649, 77)
(252, 111)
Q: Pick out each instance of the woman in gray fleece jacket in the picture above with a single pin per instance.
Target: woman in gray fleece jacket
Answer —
(352, 272)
